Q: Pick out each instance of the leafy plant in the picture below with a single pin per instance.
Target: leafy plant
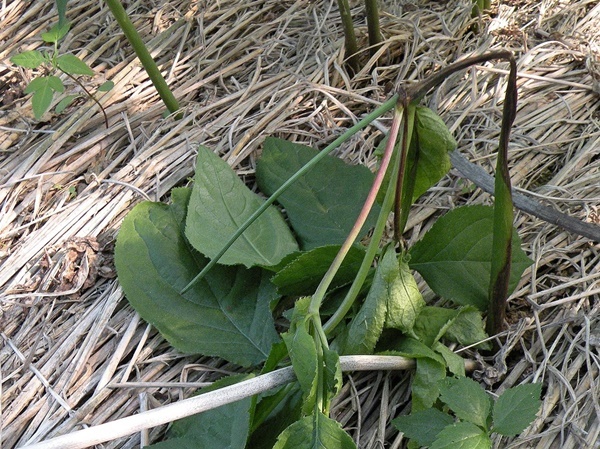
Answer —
(471, 416)
(318, 280)
(44, 87)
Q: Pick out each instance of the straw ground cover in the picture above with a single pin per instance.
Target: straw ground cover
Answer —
(73, 354)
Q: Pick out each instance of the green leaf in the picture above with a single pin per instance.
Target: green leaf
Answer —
(404, 300)
(305, 357)
(516, 408)
(423, 426)
(462, 435)
(332, 376)
(225, 315)
(366, 327)
(433, 322)
(425, 384)
(303, 353)
(29, 59)
(302, 275)
(467, 399)
(393, 301)
(463, 326)
(43, 88)
(106, 86)
(283, 408)
(427, 160)
(454, 256)
(433, 142)
(431, 369)
(468, 328)
(65, 102)
(73, 65)
(277, 354)
(409, 347)
(315, 432)
(323, 205)
(224, 427)
(220, 204)
(56, 33)
(454, 362)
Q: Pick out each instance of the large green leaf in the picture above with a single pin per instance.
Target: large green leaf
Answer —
(516, 408)
(454, 362)
(432, 323)
(322, 205)
(315, 432)
(225, 427)
(454, 256)
(404, 300)
(220, 204)
(424, 388)
(468, 328)
(302, 275)
(463, 325)
(226, 314)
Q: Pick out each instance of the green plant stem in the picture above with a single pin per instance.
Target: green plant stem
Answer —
(373, 26)
(417, 91)
(320, 393)
(144, 55)
(350, 37)
(480, 7)
(385, 107)
(399, 213)
(503, 214)
(317, 298)
(367, 262)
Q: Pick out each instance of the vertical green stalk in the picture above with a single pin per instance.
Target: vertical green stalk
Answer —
(386, 208)
(373, 26)
(142, 53)
(480, 7)
(350, 37)
(503, 213)
(317, 298)
(401, 210)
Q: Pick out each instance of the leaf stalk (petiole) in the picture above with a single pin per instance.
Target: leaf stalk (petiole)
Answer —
(364, 213)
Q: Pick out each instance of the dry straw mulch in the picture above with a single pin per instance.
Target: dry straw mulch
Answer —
(73, 353)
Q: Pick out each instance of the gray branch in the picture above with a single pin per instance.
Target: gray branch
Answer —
(484, 181)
